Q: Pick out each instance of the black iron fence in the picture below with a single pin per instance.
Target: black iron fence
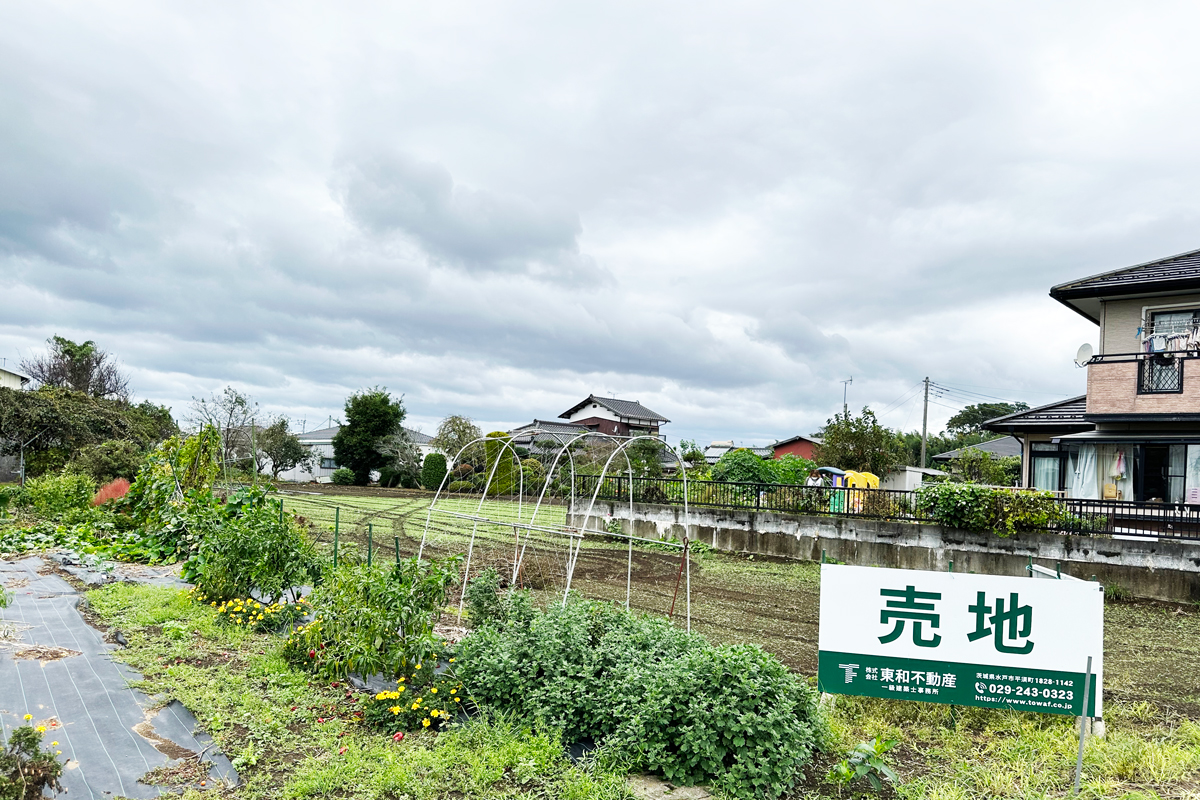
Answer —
(1055, 514)
(837, 501)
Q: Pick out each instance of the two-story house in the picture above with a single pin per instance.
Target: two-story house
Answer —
(1135, 435)
(615, 417)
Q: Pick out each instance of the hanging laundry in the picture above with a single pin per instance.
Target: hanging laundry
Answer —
(1118, 467)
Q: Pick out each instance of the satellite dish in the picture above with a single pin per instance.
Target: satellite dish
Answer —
(1084, 355)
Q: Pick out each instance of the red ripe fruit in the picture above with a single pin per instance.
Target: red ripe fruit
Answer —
(312, 653)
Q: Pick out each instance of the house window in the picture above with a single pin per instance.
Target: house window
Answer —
(328, 463)
(1047, 466)
(1159, 374)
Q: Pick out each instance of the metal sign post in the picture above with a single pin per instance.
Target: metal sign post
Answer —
(962, 639)
(1082, 728)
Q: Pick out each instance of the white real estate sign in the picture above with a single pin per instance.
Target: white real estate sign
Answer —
(970, 640)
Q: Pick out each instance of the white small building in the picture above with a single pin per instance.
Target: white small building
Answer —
(907, 479)
(321, 443)
(12, 380)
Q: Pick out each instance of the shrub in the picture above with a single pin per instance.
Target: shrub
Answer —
(657, 697)
(461, 486)
(374, 619)
(51, 495)
(433, 471)
(343, 476)
(972, 507)
(742, 466)
(483, 597)
(251, 550)
(117, 458)
(790, 469)
(500, 464)
(114, 490)
(26, 770)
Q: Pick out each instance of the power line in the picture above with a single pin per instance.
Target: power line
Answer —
(899, 401)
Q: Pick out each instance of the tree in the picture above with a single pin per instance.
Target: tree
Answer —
(980, 466)
(55, 423)
(235, 415)
(860, 444)
(283, 448)
(742, 466)
(500, 467)
(971, 418)
(403, 461)
(82, 367)
(456, 432)
(645, 457)
(790, 469)
(116, 458)
(372, 424)
(433, 471)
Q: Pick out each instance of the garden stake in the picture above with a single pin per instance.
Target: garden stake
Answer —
(1087, 684)
(678, 578)
(822, 555)
(281, 509)
(368, 544)
(396, 542)
(1058, 570)
(950, 566)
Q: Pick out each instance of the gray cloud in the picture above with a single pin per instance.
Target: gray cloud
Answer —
(723, 213)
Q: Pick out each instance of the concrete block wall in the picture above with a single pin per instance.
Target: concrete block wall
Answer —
(1159, 570)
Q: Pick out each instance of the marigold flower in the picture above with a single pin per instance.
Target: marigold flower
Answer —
(41, 728)
(54, 744)
(28, 717)
(425, 722)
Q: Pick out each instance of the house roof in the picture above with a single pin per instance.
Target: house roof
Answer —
(1063, 415)
(798, 438)
(625, 409)
(24, 380)
(327, 434)
(714, 451)
(548, 431)
(1168, 275)
(1003, 446)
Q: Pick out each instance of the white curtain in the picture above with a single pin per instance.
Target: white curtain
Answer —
(1082, 482)
(1045, 472)
(1176, 473)
(1192, 489)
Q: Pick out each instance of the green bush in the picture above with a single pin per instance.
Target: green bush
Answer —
(374, 619)
(55, 494)
(26, 770)
(657, 697)
(342, 476)
(252, 551)
(742, 466)
(500, 464)
(461, 486)
(433, 471)
(483, 598)
(790, 469)
(107, 461)
(972, 507)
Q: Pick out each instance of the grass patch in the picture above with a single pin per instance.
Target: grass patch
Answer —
(290, 735)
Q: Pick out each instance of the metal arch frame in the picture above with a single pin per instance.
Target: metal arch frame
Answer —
(575, 533)
(686, 516)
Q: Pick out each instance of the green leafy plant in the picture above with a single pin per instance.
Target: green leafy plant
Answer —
(742, 466)
(460, 486)
(106, 461)
(26, 770)
(252, 549)
(865, 762)
(972, 507)
(483, 597)
(419, 702)
(53, 495)
(342, 476)
(374, 619)
(657, 697)
(372, 417)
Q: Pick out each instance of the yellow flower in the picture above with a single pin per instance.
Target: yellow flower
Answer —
(28, 717)
(54, 744)
(58, 752)
(433, 690)
(394, 709)
(456, 700)
(399, 689)
(414, 706)
(452, 661)
(454, 691)
(425, 722)
(433, 713)
(41, 728)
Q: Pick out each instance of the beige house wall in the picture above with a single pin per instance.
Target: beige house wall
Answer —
(1121, 319)
(1112, 389)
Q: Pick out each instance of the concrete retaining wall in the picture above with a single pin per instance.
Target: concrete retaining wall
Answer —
(1161, 570)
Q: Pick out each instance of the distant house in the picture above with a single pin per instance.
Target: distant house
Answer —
(615, 417)
(713, 453)
(12, 380)
(799, 446)
(547, 433)
(321, 442)
(1001, 447)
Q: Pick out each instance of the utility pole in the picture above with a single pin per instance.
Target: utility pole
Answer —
(925, 424)
(845, 386)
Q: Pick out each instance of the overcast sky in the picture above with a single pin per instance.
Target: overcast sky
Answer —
(721, 210)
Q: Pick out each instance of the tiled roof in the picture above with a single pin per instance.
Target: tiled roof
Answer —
(626, 409)
(1003, 446)
(713, 452)
(798, 438)
(1174, 272)
(548, 431)
(1052, 416)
